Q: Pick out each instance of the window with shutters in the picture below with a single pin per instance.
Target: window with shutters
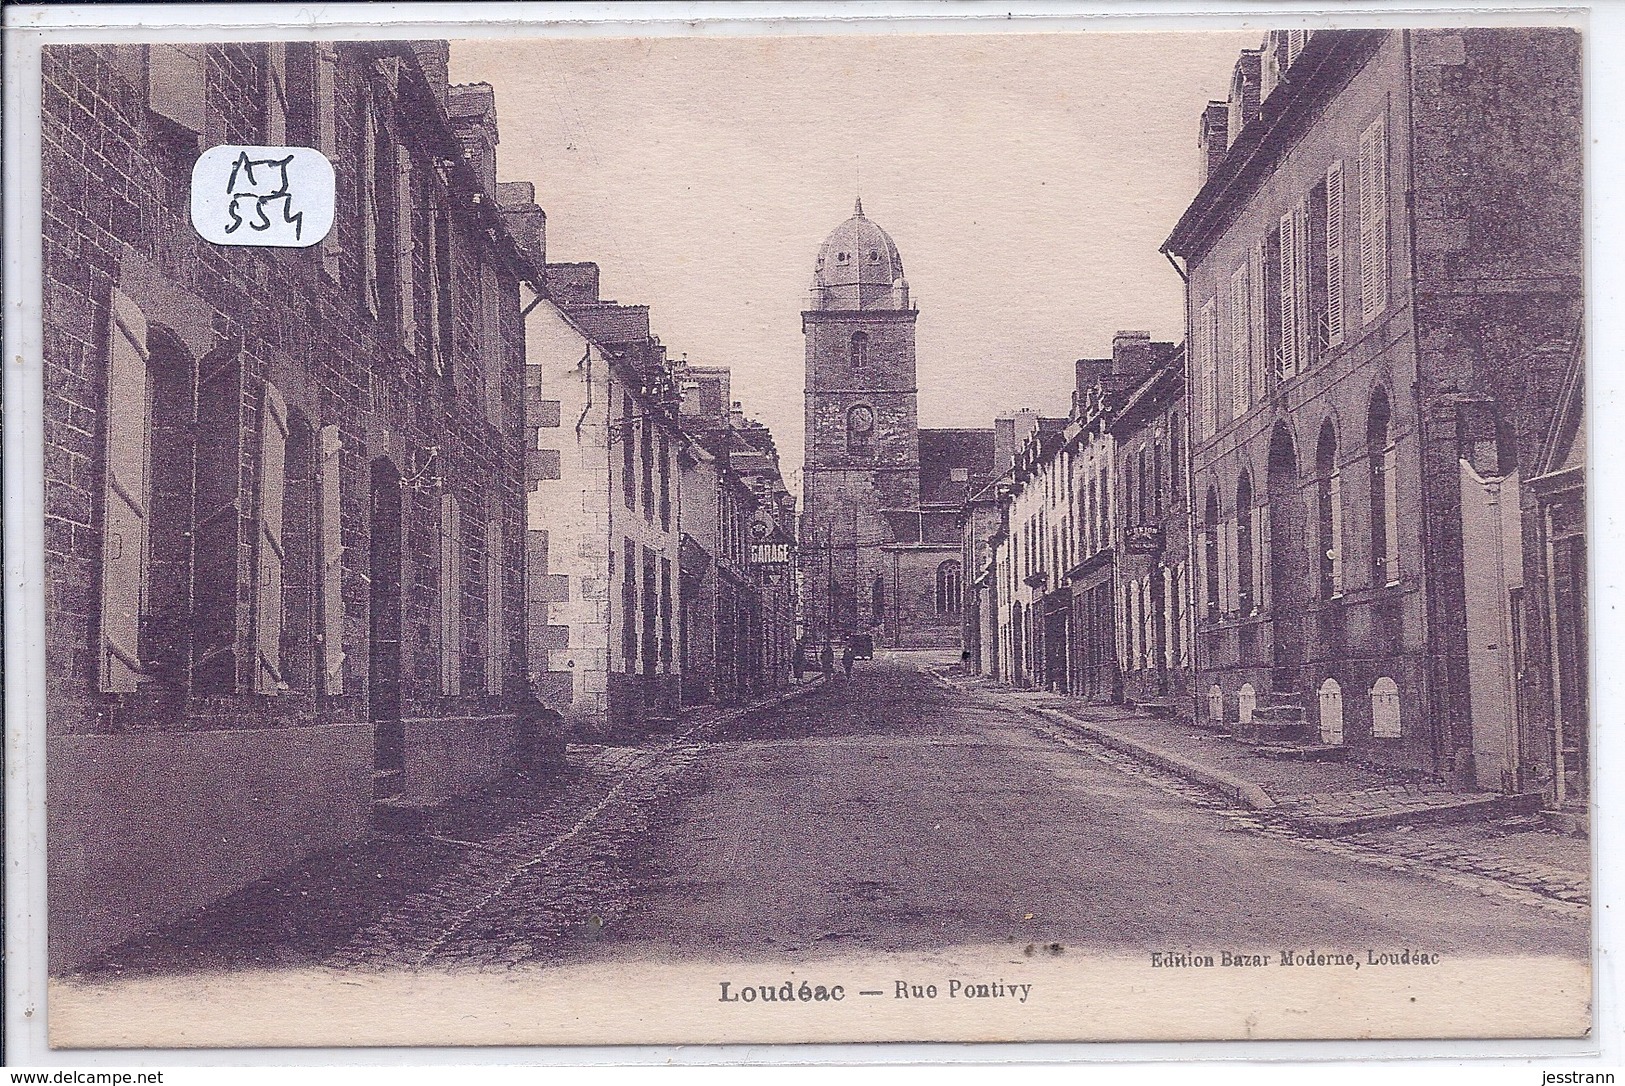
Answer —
(269, 550)
(451, 596)
(332, 559)
(665, 616)
(663, 452)
(218, 525)
(1329, 518)
(124, 497)
(1373, 169)
(1384, 513)
(275, 93)
(1292, 307)
(496, 638)
(628, 437)
(646, 461)
(1239, 341)
(1333, 302)
(650, 648)
(1315, 327)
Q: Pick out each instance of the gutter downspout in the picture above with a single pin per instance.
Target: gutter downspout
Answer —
(1186, 586)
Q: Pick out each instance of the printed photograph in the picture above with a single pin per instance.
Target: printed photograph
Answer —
(1065, 536)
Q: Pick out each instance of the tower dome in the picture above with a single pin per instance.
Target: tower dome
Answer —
(859, 267)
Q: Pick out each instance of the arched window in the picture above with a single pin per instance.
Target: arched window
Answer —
(948, 587)
(1210, 554)
(1331, 712)
(1385, 709)
(860, 349)
(860, 431)
(1329, 516)
(1384, 531)
(1244, 545)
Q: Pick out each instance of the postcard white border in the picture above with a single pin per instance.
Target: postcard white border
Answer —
(27, 28)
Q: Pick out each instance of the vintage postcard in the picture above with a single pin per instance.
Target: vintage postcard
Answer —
(1048, 536)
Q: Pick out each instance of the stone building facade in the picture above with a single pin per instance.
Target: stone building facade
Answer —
(603, 518)
(1384, 280)
(282, 514)
(879, 538)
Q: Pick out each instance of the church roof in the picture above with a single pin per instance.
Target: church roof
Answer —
(857, 266)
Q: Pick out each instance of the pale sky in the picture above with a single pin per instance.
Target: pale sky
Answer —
(1028, 181)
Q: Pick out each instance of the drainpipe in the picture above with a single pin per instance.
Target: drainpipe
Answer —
(1189, 608)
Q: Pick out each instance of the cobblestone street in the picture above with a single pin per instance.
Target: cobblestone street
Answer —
(886, 813)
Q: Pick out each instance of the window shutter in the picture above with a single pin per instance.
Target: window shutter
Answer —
(124, 497)
(1241, 370)
(325, 125)
(451, 597)
(332, 564)
(1374, 219)
(276, 94)
(1337, 532)
(1289, 296)
(1257, 335)
(176, 82)
(369, 209)
(1390, 484)
(268, 549)
(492, 348)
(405, 250)
(218, 526)
(1334, 254)
(1207, 338)
(1261, 547)
(496, 641)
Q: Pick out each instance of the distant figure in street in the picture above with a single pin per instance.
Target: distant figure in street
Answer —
(827, 659)
(798, 662)
(846, 661)
(541, 733)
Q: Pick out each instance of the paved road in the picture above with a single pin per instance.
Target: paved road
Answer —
(893, 813)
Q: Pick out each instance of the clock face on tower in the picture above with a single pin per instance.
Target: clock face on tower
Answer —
(863, 419)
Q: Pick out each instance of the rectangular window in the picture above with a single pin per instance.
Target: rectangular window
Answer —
(269, 551)
(332, 558)
(124, 497)
(646, 461)
(1373, 168)
(651, 650)
(1291, 314)
(665, 615)
(1334, 254)
(496, 638)
(1315, 328)
(451, 597)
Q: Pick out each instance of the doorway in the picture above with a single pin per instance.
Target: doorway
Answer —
(384, 632)
(1289, 561)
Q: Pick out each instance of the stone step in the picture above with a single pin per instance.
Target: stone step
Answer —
(387, 783)
(401, 817)
(1285, 713)
(1302, 752)
(1162, 707)
(1456, 808)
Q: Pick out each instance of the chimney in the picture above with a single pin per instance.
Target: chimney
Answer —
(1086, 374)
(527, 222)
(1212, 140)
(473, 110)
(434, 57)
(1132, 352)
(1004, 444)
(1246, 91)
(573, 284)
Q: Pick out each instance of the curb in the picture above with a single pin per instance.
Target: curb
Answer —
(1465, 810)
(1242, 791)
